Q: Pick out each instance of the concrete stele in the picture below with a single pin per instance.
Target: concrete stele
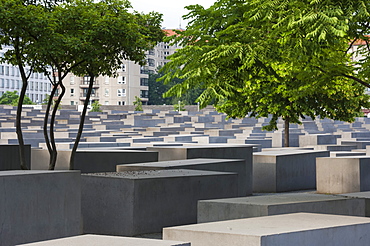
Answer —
(303, 229)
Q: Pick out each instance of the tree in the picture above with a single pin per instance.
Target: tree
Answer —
(12, 98)
(95, 107)
(158, 88)
(256, 58)
(138, 104)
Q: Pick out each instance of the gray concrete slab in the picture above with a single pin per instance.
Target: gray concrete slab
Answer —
(132, 203)
(95, 240)
(304, 229)
(256, 206)
(222, 165)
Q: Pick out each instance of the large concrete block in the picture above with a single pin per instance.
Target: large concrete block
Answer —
(94, 160)
(228, 151)
(9, 157)
(285, 170)
(222, 165)
(132, 203)
(336, 175)
(317, 139)
(256, 206)
(303, 229)
(361, 195)
(90, 240)
(39, 205)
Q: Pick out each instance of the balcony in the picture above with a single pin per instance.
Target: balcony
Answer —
(85, 84)
(93, 96)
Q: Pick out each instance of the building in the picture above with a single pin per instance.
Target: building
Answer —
(131, 80)
(10, 80)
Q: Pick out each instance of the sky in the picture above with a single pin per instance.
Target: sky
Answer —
(172, 10)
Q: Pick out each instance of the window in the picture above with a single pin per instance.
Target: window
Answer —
(106, 103)
(36, 85)
(1, 83)
(36, 75)
(72, 92)
(41, 85)
(31, 85)
(86, 80)
(11, 71)
(166, 52)
(151, 52)
(121, 80)
(7, 83)
(1, 70)
(72, 103)
(144, 70)
(121, 102)
(106, 92)
(72, 80)
(166, 46)
(12, 84)
(121, 92)
(151, 62)
(107, 80)
(84, 93)
(6, 70)
(144, 94)
(144, 81)
(123, 68)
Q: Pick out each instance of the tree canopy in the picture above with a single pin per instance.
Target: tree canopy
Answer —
(12, 97)
(284, 58)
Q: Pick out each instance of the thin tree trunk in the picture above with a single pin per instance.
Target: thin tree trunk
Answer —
(46, 118)
(53, 157)
(286, 132)
(22, 156)
(82, 122)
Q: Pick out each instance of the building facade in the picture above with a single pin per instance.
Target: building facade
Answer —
(10, 80)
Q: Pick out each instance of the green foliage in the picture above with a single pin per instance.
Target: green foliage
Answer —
(138, 103)
(287, 59)
(12, 98)
(95, 107)
(180, 106)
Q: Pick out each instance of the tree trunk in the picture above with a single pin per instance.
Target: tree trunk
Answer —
(46, 118)
(82, 122)
(286, 132)
(22, 156)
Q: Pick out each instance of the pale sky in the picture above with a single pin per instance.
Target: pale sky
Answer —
(172, 10)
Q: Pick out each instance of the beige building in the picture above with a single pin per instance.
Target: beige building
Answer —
(132, 80)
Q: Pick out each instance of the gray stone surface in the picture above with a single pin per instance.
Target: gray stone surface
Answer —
(9, 157)
(132, 203)
(285, 170)
(92, 240)
(255, 206)
(39, 205)
(223, 165)
(336, 175)
(303, 229)
(361, 195)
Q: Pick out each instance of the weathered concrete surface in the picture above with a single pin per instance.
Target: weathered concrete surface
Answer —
(39, 205)
(95, 160)
(361, 195)
(336, 175)
(303, 229)
(133, 203)
(9, 156)
(90, 240)
(256, 206)
(221, 165)
(285, 170)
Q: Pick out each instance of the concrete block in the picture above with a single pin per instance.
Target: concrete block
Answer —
(303, 229)
(132, 203)
(361, 195)
(223, 165)
(337, 175)
(285, 170)
(317, 139)
(9, 157)
(89, 240)
(94, 160)
(256, 206)
(39, 205)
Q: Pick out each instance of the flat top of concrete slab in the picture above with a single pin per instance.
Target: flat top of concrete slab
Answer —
(346, 157)
(187, 162)
(210, 146)
(29, 172)
(289, 152)
(98, 240)
(364, 194)
(278, 199)
(114, 150)
(275, 224)
(150, 174)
